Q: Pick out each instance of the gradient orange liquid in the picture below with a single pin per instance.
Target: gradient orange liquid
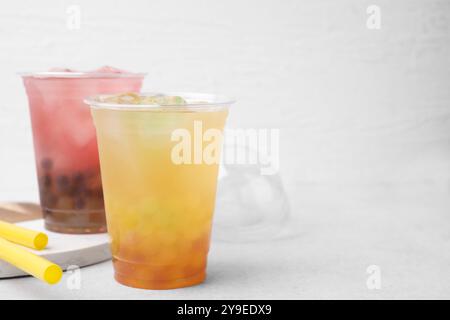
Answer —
(159, 214)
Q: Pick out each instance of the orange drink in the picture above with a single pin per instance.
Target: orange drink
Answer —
(159, 159)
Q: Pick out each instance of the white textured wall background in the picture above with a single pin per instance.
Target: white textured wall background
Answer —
(355, 106)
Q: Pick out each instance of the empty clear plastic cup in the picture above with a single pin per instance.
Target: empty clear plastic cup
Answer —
(250, 205)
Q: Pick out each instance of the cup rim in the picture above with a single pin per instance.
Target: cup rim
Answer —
(80, 74)
(200, 101)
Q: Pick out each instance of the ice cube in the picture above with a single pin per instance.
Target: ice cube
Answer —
(125, 98)
(108, 69)
(134, 98)
(163, 100)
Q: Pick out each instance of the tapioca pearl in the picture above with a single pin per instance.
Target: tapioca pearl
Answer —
(79, 203)
(46, 164)
(78, 179)
(63, 183)
(45, 181)
(78, 191)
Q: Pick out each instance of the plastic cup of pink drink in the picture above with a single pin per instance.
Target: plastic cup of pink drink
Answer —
(65, 144)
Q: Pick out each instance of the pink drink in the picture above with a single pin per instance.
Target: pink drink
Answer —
(66, 146)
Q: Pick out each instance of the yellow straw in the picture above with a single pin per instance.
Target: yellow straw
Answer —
(23, 236)
(29, 262)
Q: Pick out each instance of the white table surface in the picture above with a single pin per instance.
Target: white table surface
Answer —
(324, 254)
